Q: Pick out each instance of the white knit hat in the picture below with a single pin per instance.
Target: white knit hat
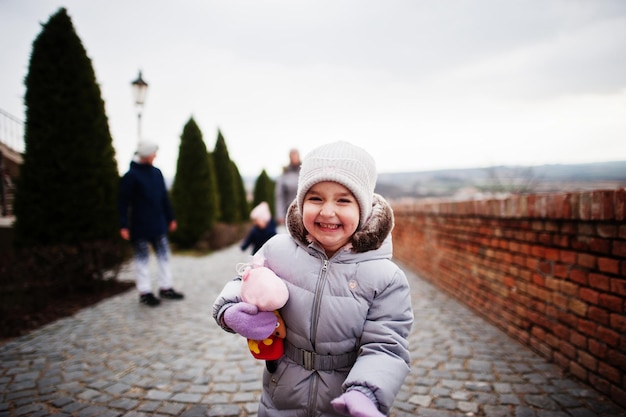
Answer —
(345, 164)
(261, 212)
(146, 148)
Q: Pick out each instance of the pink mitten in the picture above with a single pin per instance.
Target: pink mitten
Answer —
(356, 404)
(248, 321)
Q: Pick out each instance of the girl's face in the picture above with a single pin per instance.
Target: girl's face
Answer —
(330, 215)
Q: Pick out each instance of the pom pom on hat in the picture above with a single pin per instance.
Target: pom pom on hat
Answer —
(343, 163)
(261, 213)
(146, 148)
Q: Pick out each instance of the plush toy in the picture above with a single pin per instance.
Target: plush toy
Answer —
(261, 287)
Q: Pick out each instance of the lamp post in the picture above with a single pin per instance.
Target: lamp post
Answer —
(140, 88)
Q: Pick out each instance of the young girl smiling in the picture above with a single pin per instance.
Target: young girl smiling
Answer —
(349, 309)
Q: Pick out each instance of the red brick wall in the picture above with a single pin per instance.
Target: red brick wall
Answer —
(550, 270)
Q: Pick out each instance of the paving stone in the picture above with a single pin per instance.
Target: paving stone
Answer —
(542, 401)
(186, 398)
(468, 407)
(172, 409)
(224, 410)
(497, 411)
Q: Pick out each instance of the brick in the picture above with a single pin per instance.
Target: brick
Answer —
(587, 360)
(545, 238)
(560, 359)
(599, 350)
(587, 327)
(618, 286)
(599, 315)
(609, 336)
(578, 371)
(561, 241)
(566, 256)
(561, 271)
(560, 301)
(551, 254)
(553, 284)
(578, 340)
(602, 205)
(609, 372)
(599, 384)
(579, 275)
(618, 322)
(620, 206)
(578, 307)
(608, 265)
(619, 394)
(619, 248)
(587, 260)
(537, 251)
(568, 319)
(545, 269)
(560, 331)
(599, 245)
(599, 281)
(617, 358)
(569, 288)
(589, 295)
(619, 209)
(611, 302)
(584, 208)
(606, 230)
(568, 349)
(551, 227)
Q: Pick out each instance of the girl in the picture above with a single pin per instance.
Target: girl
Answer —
(349, 309)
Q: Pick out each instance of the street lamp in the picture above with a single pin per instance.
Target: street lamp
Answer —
(140, 88)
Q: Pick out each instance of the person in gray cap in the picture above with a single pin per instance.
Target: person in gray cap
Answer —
(349, 311)
(144, 196)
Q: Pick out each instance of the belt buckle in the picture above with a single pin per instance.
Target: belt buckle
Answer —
(307, 360)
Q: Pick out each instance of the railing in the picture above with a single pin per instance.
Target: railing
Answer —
(11, 132)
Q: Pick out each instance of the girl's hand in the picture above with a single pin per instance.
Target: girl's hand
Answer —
(356, 404)
(248, 321)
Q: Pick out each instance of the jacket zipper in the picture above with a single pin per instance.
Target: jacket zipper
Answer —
(318, 302)
(315, 319)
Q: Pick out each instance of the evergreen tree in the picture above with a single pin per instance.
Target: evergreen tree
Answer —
(226, 184)
(242, 198)
(216, 191)
(264, 191)
(194, 193)
(67, 189)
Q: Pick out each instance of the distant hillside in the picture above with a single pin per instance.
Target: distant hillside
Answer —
(472, 182)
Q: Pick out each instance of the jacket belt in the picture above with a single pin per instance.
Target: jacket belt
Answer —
(311, 360)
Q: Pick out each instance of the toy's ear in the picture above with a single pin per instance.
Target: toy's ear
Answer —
(246, 274)
(258, 260)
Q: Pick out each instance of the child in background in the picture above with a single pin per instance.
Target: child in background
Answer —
(349, 310)
(264, 228)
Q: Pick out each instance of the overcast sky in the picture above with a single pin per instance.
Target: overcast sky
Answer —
(420, 84)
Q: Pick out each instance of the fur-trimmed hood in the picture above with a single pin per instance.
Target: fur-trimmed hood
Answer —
(369, 237)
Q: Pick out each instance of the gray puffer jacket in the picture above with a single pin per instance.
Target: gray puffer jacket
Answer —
(347, 319)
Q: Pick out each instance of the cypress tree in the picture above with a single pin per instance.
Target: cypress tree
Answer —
(194, 193)
(215, 187)
(226, 184)
(264, 191)
(67, 189)
(242, 196)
